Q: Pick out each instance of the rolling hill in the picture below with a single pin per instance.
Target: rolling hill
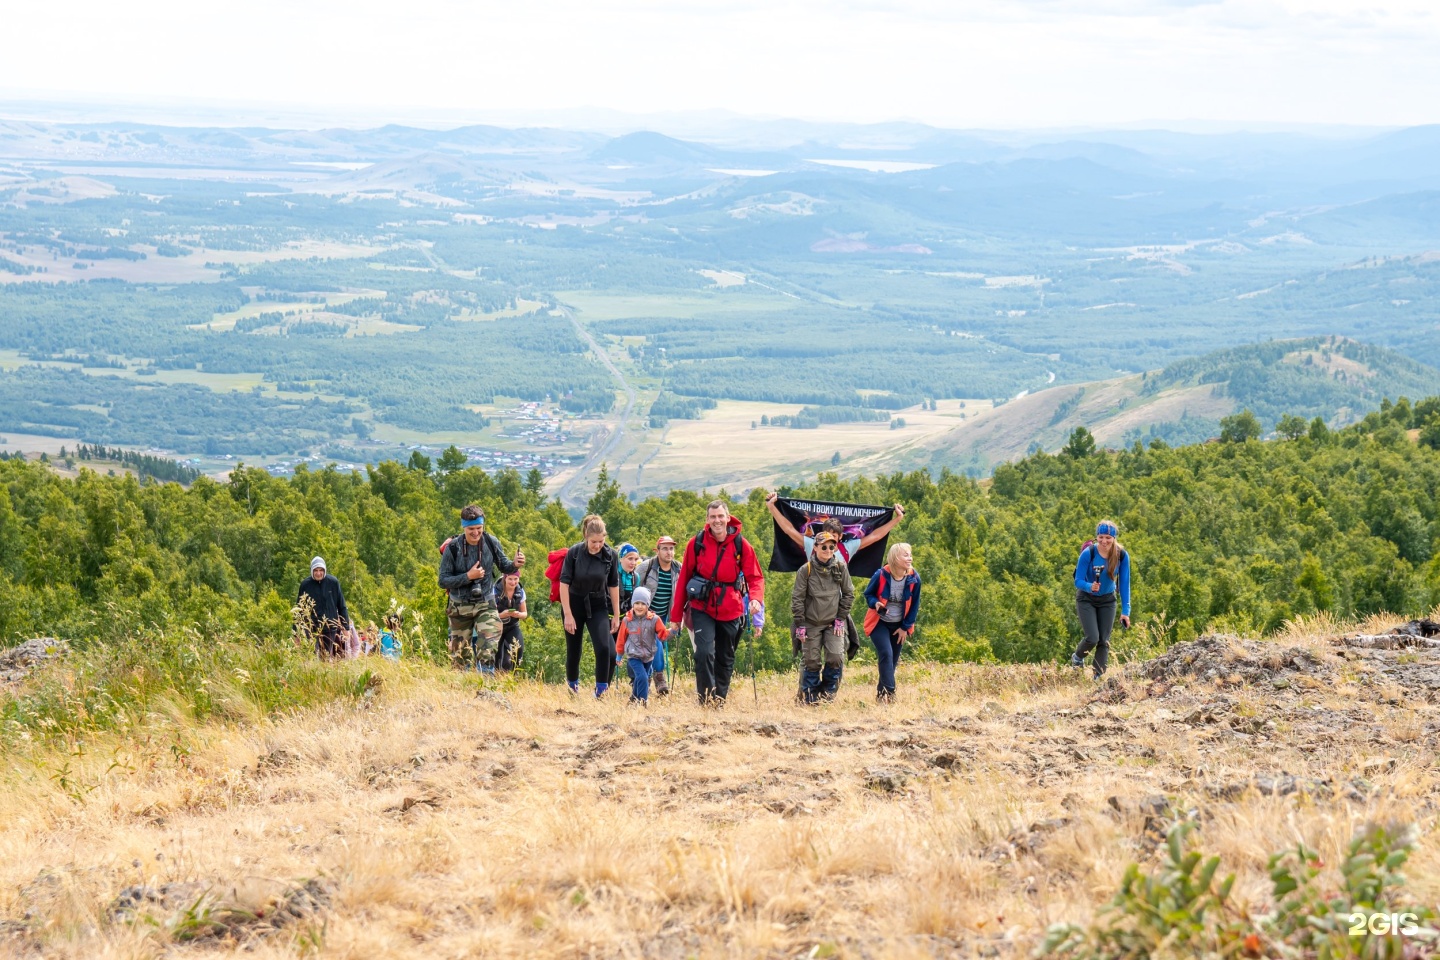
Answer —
(1336, 379)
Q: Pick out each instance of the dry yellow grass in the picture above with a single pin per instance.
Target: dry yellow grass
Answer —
(524, 823)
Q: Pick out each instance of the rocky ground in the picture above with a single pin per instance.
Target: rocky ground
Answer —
(438, 820)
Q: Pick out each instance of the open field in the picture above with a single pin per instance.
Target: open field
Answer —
(13, 442)
(429, 819)
(721, 449)
(200, 265)
(724, 278)
(599, 307)
(522, 307)
(226, 321)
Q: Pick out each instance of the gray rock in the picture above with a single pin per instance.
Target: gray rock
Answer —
(885, 779)
(17, 662)
(490, 696)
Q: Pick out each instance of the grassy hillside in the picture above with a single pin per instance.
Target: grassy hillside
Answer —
(405, 813)
(1336, 379)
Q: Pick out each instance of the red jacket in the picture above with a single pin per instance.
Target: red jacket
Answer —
(730, 605)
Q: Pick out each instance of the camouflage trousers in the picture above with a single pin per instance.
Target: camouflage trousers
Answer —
(483, 619)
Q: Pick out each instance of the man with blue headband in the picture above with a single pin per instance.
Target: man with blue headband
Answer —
(467, 573)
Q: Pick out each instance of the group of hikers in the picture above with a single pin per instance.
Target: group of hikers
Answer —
(631, 609)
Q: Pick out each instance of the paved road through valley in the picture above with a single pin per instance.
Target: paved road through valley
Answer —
(606, 446)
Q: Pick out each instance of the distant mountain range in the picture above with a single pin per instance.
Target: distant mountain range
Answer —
(1408, 158)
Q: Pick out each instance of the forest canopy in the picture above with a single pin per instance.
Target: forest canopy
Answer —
(1241, 535)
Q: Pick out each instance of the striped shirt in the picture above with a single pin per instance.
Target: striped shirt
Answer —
(664, 591)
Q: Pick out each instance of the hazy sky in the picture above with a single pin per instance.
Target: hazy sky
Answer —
(993, 63)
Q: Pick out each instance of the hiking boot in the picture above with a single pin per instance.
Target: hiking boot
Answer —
(574, 686)
(885, 696)
(1075, 660)
(600, 689)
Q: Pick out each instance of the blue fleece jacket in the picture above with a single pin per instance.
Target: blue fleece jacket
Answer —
(1091, 567)
(911, 599)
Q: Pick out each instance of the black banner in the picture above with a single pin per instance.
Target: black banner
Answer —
(804, 519)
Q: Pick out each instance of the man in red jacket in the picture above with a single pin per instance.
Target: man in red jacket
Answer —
(721, 565)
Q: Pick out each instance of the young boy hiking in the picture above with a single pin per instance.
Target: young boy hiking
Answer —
(641, 633)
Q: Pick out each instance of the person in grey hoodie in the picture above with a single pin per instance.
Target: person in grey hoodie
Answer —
(819, 603)
(323, 614)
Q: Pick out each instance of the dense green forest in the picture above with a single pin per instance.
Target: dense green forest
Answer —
(1238, 535)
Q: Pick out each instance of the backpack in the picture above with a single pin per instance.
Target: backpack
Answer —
(495, 548)
(1090, 545)
(555, 560)
(740, 582)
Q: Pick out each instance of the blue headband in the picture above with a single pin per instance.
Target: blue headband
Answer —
(1107, 528)
(477, 522)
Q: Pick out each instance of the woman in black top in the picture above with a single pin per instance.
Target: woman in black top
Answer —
(590, 598)
(510, 603)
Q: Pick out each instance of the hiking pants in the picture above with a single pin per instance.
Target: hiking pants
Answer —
(330, 642)
(598, 626)
(887, 654)
(483, 619)
(822, 641)
(658, 667)
(1097, 617)
(822, 645)
(715, 644)
(640, 673)
(512, 647)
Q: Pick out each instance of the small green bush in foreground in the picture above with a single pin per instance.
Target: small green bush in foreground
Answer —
(1182, 910)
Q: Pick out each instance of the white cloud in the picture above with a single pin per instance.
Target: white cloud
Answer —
(988, 63)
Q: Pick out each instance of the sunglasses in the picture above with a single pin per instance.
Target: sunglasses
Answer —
(824, 546)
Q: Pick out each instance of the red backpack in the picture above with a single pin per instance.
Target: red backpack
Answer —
(552, 571)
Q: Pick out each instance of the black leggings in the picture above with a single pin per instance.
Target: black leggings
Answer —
(512, 647)
(1097, 618)
(599, 626)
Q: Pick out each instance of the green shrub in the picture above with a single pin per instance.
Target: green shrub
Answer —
(1183, 910)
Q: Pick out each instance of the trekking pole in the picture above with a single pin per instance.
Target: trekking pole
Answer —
(750, 656)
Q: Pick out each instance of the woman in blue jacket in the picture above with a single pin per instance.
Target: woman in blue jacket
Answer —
(893, 599)
(1102, 571)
